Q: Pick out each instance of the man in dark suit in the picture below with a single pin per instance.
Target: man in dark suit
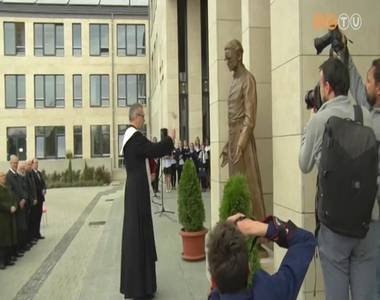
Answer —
(13, 182)
(40, 193)
(32, 199)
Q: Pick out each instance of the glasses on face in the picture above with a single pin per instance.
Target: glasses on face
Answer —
(141, 115)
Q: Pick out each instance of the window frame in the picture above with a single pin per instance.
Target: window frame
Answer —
(141, 100)
(17, 52)
(75, 99)
(99, 31)
(75, 155)
(18, 99)
(74, 48)
(100, 90)
(56, 142)
(44, 91)
(43, 40)
(137, 48)
(22, 157)
(101, 126)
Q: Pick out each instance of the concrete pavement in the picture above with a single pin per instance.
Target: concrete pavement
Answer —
(80, 257)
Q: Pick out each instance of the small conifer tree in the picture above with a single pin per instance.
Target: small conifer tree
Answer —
(191, 212)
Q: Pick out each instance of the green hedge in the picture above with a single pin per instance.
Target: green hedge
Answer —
(69, 178)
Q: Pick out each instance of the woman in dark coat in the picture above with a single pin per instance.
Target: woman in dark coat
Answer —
(8, 229)
(138, 254)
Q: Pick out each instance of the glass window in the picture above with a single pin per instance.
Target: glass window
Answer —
(50, 142)
(99, 39)
(49, 91)
(140, 40)
(121, 91)
(59, 44)
(16, 142)
(130, 40)
(100, 140)
(48, 39)
(14, 38)
(99, 90)
(77, 40)
(15, 91)
(77, 90)
(121, 41)
(131, 89)
(78, 147)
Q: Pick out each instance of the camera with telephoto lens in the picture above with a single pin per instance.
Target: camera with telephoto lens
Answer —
(313, 99)
(333, 37)
(164, 133)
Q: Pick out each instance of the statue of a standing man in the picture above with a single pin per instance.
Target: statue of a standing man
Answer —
(240, 151)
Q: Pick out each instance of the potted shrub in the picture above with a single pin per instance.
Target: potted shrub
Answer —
(191, 214)
(236, 198)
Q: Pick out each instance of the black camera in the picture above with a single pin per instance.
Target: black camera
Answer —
(333, 37)
(313, 98)
(164, 133)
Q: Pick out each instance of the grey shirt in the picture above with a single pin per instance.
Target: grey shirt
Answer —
(311, 143)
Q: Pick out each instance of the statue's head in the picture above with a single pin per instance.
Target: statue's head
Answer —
(233, 54)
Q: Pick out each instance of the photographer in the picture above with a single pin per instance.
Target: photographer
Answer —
(348, 262)
(228, 259)
(368, 95)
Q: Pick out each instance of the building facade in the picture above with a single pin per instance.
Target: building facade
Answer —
(68, 74)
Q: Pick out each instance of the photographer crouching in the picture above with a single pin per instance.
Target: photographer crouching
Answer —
(228, 259)
(339, 139)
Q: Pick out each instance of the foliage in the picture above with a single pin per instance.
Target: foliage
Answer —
(236, 198)
(71, 178)
(191, 212)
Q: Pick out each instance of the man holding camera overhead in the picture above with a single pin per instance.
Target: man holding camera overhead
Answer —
(347, 250)
(138, 253)
(368, 95)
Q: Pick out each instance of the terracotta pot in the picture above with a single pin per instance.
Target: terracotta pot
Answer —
(193, 244)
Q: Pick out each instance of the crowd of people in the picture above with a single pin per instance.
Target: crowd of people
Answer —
(172, 165)
(22, 193)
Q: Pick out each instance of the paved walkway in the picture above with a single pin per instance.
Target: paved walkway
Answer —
(80, 257)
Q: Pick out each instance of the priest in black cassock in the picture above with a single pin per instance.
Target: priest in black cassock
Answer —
(138, 252)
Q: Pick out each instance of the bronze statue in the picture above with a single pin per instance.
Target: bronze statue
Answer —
(240, 151)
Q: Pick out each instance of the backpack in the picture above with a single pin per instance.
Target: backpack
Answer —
(347, 176)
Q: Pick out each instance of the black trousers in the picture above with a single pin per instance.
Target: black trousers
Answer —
(36, 215)
(179, 172)
(173, 174)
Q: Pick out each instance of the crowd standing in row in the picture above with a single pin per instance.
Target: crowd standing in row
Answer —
(22, 193)
(173, 164)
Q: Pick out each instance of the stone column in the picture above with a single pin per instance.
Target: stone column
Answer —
(224, 19)
(194, 61)
(294, 71)
(255, 19)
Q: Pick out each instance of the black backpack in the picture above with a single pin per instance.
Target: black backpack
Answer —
(347, 177)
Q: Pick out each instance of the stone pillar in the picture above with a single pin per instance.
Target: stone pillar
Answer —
(224, 19)
(294, 71)
(255, 19)
(194, 63)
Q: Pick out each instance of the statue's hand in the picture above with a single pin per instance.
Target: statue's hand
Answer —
(224, 156)
(237, 156)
